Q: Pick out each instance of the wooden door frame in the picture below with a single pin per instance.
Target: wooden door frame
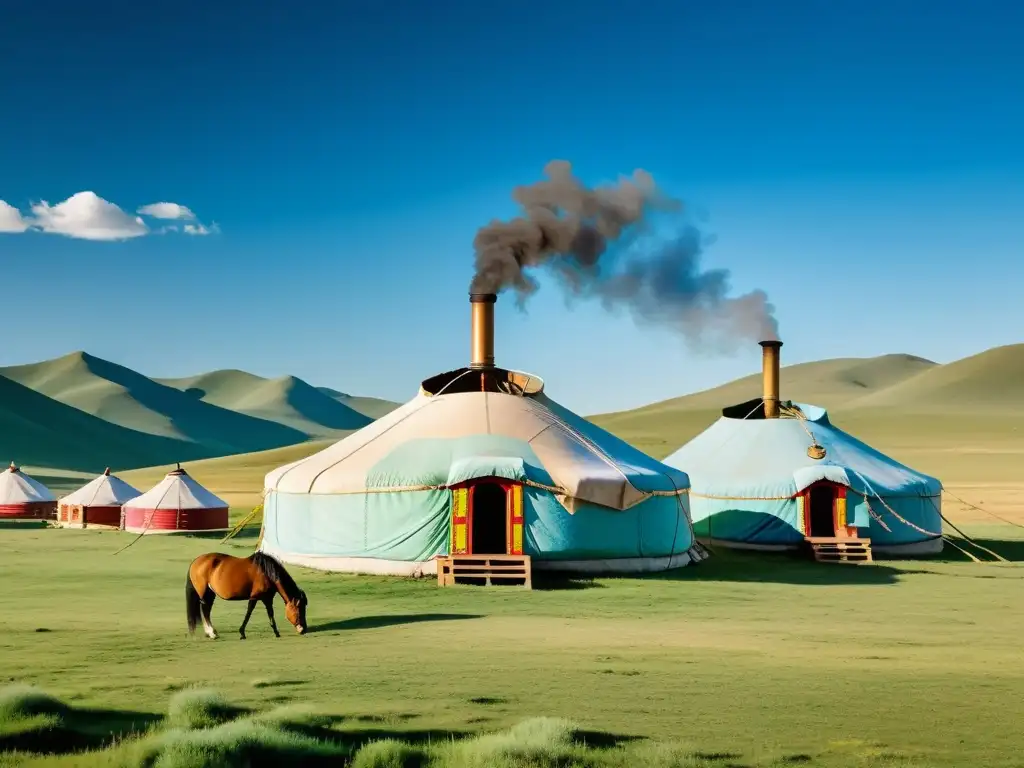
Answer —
(840, 525)
(460, 541)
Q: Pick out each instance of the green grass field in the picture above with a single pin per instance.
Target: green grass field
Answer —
(760, 658)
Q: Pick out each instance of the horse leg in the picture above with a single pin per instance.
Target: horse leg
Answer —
(269, 603)
(248, 613)
(208, 599)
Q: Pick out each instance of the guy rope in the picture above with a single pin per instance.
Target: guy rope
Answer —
(871, 492)
(243, 522)
(257, 510)
(979, 509)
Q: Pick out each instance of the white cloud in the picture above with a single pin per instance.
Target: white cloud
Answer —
(87, 216)
(11, 220)
(166, 211)
(199, 229)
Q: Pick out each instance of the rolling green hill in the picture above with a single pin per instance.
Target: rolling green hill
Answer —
(662, 427)
(962, 421)
(374, 407)
(128, 399)
(987, 382)
(288, 400)
(38, 430)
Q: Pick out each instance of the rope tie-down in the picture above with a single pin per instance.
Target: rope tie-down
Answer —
(258, 509)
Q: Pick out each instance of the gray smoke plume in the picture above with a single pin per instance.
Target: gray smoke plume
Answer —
(569, 228)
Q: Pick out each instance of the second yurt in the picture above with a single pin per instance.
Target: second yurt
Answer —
(97, 504)
(773, 474)
(177, 504)
(23, 498)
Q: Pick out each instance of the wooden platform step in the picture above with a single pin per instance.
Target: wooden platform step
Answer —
(486, 570)
(840, 550)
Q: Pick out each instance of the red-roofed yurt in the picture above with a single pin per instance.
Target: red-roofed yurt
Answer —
(176, 504)
(22, 498)
(97, 504)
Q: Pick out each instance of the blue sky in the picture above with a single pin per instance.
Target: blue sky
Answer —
(861, 162)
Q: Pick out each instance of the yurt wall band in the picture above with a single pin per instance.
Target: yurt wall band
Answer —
(24, 498)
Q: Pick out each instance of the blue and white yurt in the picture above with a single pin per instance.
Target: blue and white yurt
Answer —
(480, 462)
(771, 474)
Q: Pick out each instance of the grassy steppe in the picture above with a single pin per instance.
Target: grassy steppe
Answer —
(751, 656)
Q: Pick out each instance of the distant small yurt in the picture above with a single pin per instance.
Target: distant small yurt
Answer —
(773, 474)
(22, 498)
(176, 504)
(97, 503)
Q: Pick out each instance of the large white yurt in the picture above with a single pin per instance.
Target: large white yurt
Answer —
(23, 498)
(774, 474)
(97, 503)
(480, 462)
(177, 504)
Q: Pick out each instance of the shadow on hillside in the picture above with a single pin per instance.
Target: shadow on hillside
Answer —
(59, 483)
(782, 568)
(202, 422)
(76, 730)
(393, 620)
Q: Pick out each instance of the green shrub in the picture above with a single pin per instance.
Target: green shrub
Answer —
(535, 743)
(239, 743)
(18, 702)
(388, 753)
(198, 708)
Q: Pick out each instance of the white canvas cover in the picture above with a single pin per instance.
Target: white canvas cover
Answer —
(578, 459)
(178, 490)
(18, 488)
(107, 490)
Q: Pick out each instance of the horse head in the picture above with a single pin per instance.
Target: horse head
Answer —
(295, 612)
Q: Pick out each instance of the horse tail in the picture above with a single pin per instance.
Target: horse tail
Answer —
(193, 603)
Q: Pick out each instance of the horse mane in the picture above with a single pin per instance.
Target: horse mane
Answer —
(276, 572)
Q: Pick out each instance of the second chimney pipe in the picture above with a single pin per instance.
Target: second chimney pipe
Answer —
(482, 339)
(770, 376)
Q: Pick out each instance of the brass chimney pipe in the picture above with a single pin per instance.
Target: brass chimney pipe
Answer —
(770, 377)
(482, 340)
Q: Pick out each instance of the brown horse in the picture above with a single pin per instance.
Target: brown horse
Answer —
(255, 578)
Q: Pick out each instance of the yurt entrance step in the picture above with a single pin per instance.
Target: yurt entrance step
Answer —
(484, 570)
(840, 550)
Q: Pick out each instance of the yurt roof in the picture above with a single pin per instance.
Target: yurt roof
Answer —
(18, 488)
(445, 439)
(178, 490)
(107, 490)
(772, 458)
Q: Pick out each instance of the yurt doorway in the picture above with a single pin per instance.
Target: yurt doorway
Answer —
(489, 533)
(821, 517)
